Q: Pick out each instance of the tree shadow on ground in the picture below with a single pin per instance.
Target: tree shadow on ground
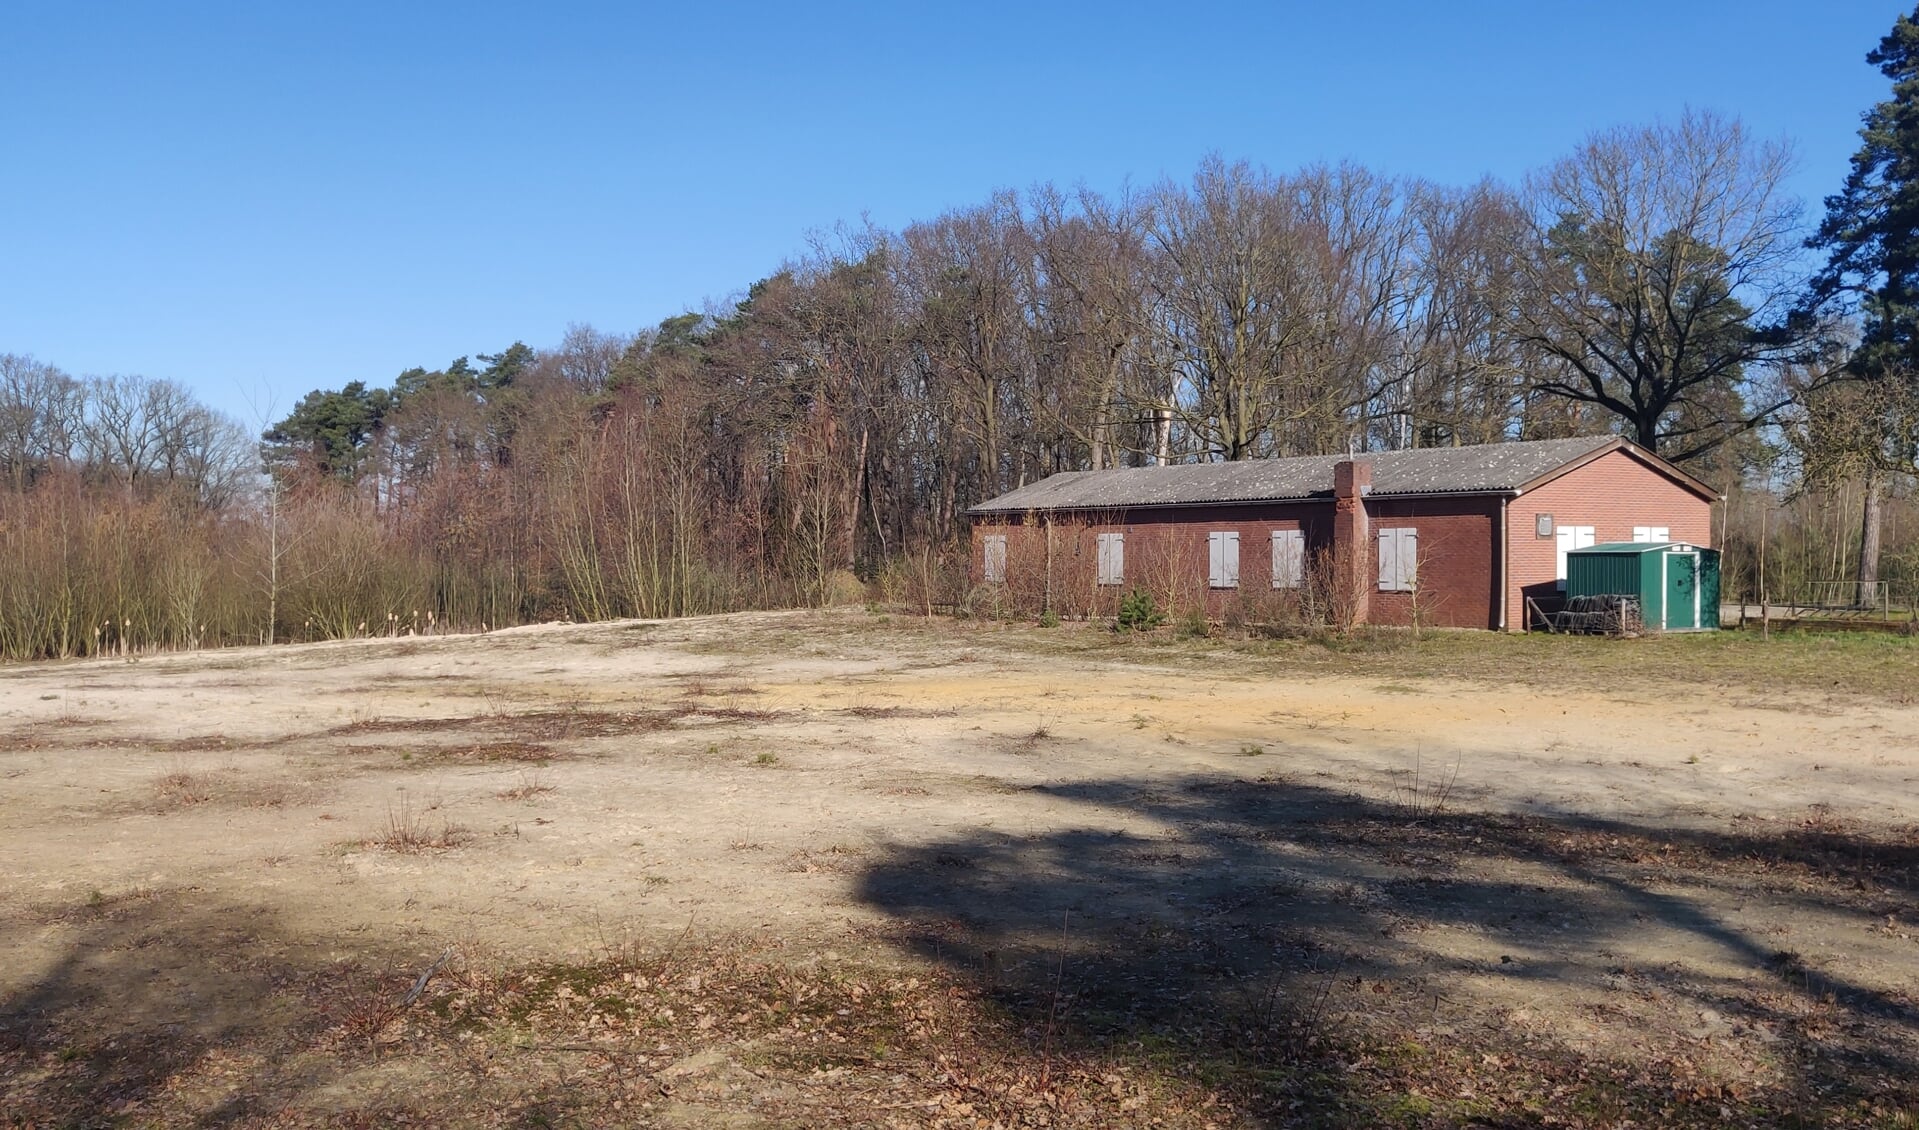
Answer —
(175, 1008)
(1329, 959)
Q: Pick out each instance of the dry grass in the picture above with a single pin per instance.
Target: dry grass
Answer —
(534, 753)
(183, 786)
(532, 726)
(180, 786)
(875, 712)
(834, 859)
(529, 784)
(409, 830)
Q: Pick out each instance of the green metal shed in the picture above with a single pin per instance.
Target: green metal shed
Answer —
(1677, 584)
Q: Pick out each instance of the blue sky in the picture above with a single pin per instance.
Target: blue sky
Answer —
(261, 199)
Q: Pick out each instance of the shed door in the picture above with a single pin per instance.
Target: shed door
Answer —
(1682, 591)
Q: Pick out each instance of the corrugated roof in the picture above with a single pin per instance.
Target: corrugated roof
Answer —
(1478, 469)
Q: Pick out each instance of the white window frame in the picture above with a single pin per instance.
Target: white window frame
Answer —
(1398, 559)
(993, 548)
(1289, 559)
(1222, 559)
(1651, 535)
(1110, 559)
(1566, 539)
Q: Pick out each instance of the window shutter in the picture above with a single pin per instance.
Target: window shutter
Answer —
(1229, 559)
(1112, 559)
(1398, 560)
(1289, 558)
(995, 546)
(1216, 560)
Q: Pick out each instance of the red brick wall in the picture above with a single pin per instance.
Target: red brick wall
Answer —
(1457, 581)
(1612, 494)
(1165, 554)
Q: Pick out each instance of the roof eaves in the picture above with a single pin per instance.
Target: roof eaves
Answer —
(1316, 496)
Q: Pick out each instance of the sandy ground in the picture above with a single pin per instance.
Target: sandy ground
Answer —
(944, 792)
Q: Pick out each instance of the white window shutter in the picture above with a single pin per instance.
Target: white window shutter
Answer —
(1289, 558)
(995, 545)
(1229, 559)
(1112, 559)
(1216, 560)
(1398, 559)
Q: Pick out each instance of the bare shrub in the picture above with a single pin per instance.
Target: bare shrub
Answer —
(1427, 789)
(409, 830)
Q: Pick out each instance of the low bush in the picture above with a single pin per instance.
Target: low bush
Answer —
(1139, 612)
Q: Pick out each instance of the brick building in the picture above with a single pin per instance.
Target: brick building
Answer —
(1451, 536)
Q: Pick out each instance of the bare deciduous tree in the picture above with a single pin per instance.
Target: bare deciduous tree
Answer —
(1659, 272)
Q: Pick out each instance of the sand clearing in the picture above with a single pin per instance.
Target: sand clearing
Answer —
(849, 783)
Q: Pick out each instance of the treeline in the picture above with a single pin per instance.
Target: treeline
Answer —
(822, 437)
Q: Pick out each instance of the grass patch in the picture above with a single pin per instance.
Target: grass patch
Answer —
(1864, 664)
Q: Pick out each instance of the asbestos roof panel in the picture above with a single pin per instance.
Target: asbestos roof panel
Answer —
(1477, 469)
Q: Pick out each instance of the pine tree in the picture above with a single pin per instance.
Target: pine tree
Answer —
(1871, 233)
(1871, 229)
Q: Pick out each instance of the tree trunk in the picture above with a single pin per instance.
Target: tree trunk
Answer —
(1868, 575)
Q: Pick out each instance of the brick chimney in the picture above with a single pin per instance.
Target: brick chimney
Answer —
(1352, 536)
